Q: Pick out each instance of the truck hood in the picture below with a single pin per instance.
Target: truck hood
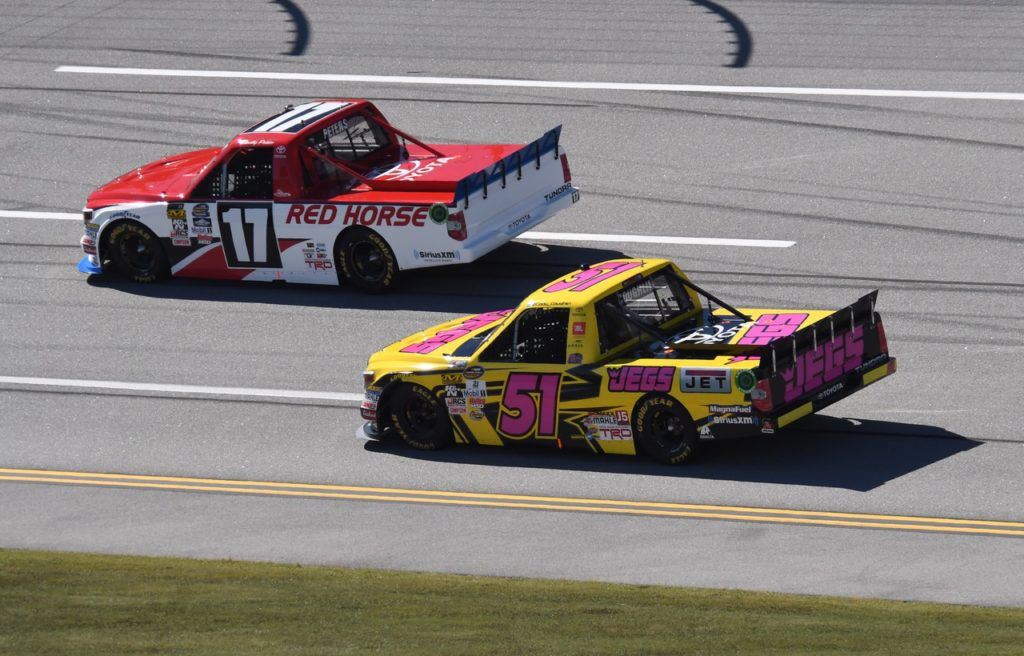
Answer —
(424, 171)
(167, 178)
(433, 347)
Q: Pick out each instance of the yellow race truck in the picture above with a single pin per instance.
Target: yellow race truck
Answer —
(624, 356)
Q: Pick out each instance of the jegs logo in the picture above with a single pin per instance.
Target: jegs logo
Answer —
(640, 379)
(824, 365)
(413, 168)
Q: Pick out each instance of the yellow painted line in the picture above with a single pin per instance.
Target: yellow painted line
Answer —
(793, 415)
(498, 496)
(521, 505)
(652, 509)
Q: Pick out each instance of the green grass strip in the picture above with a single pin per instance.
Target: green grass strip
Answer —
(56, 603)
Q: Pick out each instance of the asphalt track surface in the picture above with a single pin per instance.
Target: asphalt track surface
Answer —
(919, 197)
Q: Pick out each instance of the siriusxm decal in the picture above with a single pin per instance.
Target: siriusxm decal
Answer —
(436, 256)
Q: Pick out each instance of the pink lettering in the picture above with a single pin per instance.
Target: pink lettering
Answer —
(587, 278)
(521, 413)
(770, 327)
(439, 339)
(640, 379)
(835, 360)
(853, 341)
(813, 367)
(816, 367)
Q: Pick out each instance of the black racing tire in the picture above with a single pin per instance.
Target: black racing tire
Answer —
(420, 418)
(664, 429)
(136, 252)
(365, 261)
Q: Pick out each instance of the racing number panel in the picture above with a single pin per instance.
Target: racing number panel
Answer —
(529, 406)
(247, 235)
(548, 405)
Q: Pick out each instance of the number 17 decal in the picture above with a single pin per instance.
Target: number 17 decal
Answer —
(530, 405)
(247, 234)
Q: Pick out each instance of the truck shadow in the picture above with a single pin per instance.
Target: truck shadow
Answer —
(822, 451)
(496, 281)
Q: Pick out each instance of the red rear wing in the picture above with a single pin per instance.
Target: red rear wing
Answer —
(822, 362)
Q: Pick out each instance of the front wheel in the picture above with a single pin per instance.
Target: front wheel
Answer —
(136, 252)
(365, 261)
(420, 418)
(664, 430)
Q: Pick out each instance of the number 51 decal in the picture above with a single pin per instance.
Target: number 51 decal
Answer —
(247, 234)
(530, 405)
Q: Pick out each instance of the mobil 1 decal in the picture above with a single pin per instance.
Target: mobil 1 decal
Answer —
(247, 234)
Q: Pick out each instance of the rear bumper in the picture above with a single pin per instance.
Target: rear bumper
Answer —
(504, 226)
(838, 391)
(513, 222)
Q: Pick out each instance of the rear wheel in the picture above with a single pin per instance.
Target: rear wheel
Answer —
(420, 418)
(365, 261)
(136, 252)
(664, 430)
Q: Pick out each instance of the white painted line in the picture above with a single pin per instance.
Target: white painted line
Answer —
(59, 216)
(202, 390)
(536, 236)
(542, 84)
(656, 239)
